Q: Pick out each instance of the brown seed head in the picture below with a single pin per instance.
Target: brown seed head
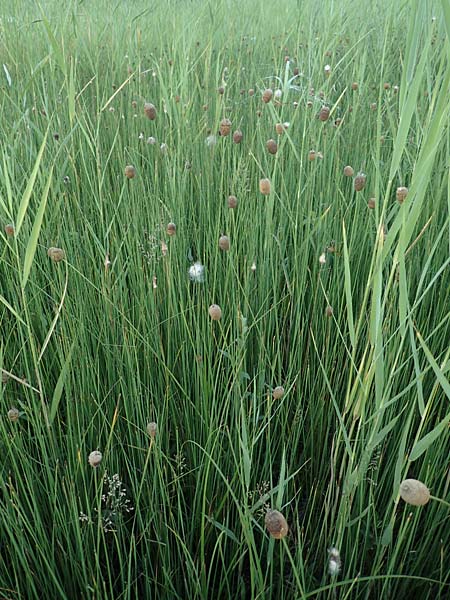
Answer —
(150, 111)
(279, 128)
(171, 229)
(225, 127)
(130, 172)
(359, 182)
(276, 524)
(56, 254)
(221, 90)
(13, 414)
(9, 229)
(414, 492)
(324, 113)
(312, 155)
(95, 458)
(371, 203)
(401, 194)
(386, 86)
(264, 186)
(271, 146)
(354, 86)
(348, 171)
(237, 136)
(329, 311)
(152, 428)
(267, 95)
(232, 201)
(215, 312)
(251, 92)
(224, 243)
(278, 392)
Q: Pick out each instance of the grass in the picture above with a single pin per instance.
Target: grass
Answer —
(344, 306)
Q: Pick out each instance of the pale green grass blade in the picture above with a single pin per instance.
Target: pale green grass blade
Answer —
(35, 231)
(57, 394)
(348, 290)
(29, 188)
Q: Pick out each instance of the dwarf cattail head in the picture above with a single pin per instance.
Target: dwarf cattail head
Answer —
(9, 229)
(224, 243)
(278, 392)
(171, 229)
(371, 203)
(414, 492)
(232, 201)
(354, 86)
(324, 113)
(13, 414)
(348, 171)
(267, 95)
(95, 458)
(386, 86)
(56, 254)
(329, 311)
(221, 90)
(264, 186)
(150, 111)
(152, 428)
(271, 146)
(215, 312)
(225, 127)
(237, 136)
(279, 128)
(312, 155)
(130, 172)
(309, 104)
(359, 182)
(276, 524)
(251, 92)
(401, 194)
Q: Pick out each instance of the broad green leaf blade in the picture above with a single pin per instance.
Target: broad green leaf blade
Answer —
(30, 185)
(57, 394)
(423, 444)
(34, 236)
(11, 309)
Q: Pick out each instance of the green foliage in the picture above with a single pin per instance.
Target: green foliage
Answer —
(344, 306)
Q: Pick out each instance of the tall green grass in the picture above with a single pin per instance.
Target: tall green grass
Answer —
(117, 335)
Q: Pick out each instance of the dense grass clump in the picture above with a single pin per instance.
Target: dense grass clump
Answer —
(224, 303)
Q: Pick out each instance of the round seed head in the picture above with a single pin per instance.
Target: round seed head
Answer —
(329, 311)
(150, 111)
(95, 458)
(354, 86)
(152, 428)
(232, 201)
(171, 229)
(267, 95)
(225, 127)
(309, 104)
(348, 171)
(221, 90)
(324, 113)
(56, 254)
(296, 71)
(279, 128)
(276, 524)
(251, 92)
(278, 392)
(272, 146)
(371, 203)
(224, 243)
(386, 86)
(395, 89)
(130, 172)
(237, 136)
(402, 192)
(414, 492)
(264, 186)
(9, 230)
(359, 182)
(312, 155)
(373, 106)
(215, 312)
(13, 414)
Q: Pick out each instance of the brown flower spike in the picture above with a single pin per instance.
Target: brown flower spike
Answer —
(276, 524)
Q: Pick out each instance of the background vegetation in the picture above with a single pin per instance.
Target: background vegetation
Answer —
(118, 335)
